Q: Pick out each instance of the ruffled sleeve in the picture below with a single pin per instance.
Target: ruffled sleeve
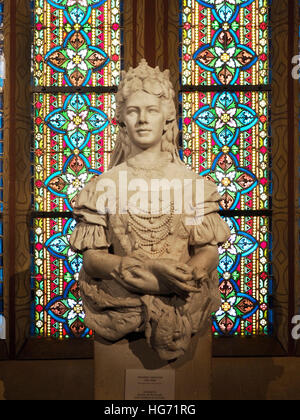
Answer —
(86, 236)
(91, 229)
(211, 231)
(209, 228)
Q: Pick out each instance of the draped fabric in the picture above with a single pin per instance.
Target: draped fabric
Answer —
(111, 310)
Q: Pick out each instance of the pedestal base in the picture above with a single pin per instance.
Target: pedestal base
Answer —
(192, 371)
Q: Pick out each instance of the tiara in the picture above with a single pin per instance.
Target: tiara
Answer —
(144, 71)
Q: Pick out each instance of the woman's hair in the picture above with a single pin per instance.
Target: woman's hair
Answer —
(152, 81)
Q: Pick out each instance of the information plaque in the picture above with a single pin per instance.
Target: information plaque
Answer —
(144, 384)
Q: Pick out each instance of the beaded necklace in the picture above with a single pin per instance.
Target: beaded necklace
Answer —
(152, 231)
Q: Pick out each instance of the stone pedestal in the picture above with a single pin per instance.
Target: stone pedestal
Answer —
(192, 371)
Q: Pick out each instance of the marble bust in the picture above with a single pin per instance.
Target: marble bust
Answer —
(148, 228)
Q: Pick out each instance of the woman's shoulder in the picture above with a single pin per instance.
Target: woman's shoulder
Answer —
(114, 171)
(176, 170)
(185, 172)
(109, 175)
(205, 188)
(89, 195)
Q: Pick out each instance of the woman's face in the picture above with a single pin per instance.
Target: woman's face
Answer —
(144, 119)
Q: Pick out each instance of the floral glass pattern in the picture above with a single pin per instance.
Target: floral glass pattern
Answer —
(77, 43)
(244, 278)
(76, 68)
(224, 42)
(225, 124)
(225, 137)
(74, 135)
(58, 306)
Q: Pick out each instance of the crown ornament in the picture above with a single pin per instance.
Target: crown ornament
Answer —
(146, 78)
(144, 71)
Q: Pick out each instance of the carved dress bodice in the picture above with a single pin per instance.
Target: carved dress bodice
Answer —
(112, 311)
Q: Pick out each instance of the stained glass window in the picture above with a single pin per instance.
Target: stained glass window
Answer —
(225, 101)
(2, 76)
(76, 61)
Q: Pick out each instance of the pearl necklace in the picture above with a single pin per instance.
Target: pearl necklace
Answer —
(151, 230)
